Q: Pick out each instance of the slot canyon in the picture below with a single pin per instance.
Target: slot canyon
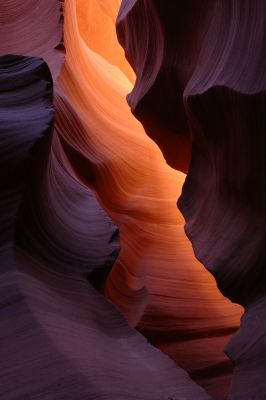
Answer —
(133, 199)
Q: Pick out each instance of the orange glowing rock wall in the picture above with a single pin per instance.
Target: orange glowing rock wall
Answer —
(156, 280)
(97, 170)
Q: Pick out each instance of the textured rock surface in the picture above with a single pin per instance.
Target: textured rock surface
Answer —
(26, 95)
(60, 220)
(59, 337)
(62, 338)
(33, 28)
(156, 271)
(206, 75)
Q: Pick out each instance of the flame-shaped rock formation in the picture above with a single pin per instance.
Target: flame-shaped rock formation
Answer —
(206, 60)
(60, 337)
(69, 341)
(156, 267)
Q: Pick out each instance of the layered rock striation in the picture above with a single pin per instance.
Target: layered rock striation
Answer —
(203, 78)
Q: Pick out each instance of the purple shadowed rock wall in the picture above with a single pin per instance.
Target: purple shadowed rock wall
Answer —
(203, 80)
(60, 338)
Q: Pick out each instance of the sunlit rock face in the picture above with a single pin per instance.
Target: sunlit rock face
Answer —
(46, 340)
(201, 74)
(91, 170)
(156, 273)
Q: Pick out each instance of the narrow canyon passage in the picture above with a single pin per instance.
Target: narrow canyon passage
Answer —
(132, 199)
(156, 282)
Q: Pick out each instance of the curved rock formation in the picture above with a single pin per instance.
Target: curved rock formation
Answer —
(26, 95)
(164, 61)
(60, 220)
(156, 271)
(207, 64)
(60, 338)
(96, 22)
(33, 28)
